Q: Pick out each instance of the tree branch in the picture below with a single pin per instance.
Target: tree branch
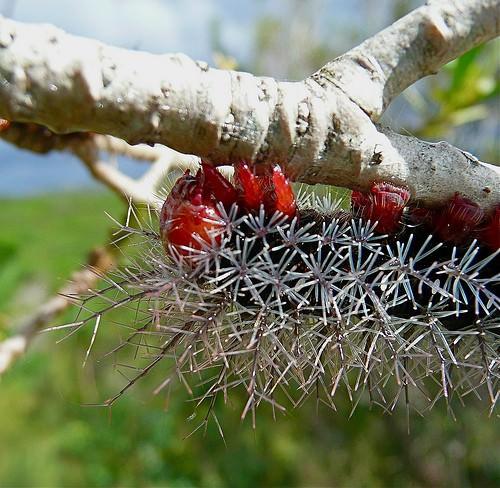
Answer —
(88, 146)
(419, 44)
(319, 128)
(136, 191)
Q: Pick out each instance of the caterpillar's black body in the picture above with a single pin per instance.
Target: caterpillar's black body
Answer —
(464, 311)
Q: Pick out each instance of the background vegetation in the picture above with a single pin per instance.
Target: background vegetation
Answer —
(49, 436)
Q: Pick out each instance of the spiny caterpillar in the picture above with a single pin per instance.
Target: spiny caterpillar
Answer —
(248, 286)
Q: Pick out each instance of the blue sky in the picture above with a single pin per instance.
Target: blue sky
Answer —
(161, 26)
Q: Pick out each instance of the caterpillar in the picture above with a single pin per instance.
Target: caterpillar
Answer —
(250, 286)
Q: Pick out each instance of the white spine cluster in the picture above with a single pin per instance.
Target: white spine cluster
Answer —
(291, 308)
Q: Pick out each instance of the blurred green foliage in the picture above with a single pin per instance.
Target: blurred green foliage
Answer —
(50, 438)
(461, 94)
(43, 240)
(460, 104)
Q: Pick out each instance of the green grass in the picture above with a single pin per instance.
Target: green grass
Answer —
(49, 438)
(44, 239)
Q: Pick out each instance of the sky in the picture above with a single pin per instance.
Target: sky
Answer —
(161, 26)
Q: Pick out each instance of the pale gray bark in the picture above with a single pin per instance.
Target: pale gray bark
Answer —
(322, 129)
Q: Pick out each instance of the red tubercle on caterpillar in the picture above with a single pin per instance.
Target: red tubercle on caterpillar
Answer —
(458, 221)
(285, 198)
(490, 232)
(191, 214)
(272, 189)
(4, 124)
(251, 191)
(383, 204)
(216, 185)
